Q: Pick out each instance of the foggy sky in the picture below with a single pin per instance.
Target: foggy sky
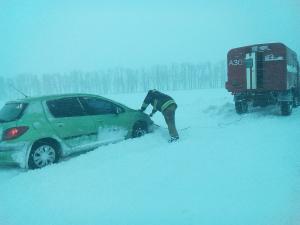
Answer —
(47, 36)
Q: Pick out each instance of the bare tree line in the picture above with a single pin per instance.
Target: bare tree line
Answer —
(183, 76)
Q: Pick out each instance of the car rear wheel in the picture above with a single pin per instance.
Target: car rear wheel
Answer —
(139, 129)
(41, 155)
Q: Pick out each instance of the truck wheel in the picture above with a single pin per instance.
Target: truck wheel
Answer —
(295, 102)
(286, 108)
(241, 107)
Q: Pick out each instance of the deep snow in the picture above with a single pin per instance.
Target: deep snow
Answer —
(226, 169)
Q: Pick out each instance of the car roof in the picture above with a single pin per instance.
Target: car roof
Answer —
(56, 96)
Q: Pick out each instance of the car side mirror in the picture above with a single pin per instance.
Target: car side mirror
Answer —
(118, 110)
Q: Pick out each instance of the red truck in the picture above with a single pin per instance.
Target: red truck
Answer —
(263, 74)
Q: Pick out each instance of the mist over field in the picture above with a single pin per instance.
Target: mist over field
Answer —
(39, 37)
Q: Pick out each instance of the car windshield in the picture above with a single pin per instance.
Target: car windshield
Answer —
(11, 111)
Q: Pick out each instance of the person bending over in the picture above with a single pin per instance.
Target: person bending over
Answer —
(167, 106)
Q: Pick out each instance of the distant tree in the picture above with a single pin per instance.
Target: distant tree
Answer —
(3, 88)
(175, 76)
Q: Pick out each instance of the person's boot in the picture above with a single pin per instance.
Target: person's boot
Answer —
(173, 139)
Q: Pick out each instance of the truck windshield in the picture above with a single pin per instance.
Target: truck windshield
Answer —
(12, 111)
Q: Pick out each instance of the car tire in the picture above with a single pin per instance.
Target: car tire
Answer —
(139, 130)
(42, 154)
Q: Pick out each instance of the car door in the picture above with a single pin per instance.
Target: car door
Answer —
(109, 118)
(71, 123)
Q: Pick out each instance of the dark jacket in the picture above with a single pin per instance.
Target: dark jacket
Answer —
(158, 100)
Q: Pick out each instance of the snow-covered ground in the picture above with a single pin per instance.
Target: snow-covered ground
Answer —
(226, 169)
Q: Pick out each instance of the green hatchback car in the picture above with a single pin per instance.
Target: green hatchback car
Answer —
(36, 132)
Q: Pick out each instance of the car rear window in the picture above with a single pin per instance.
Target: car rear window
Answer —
(66, 107)
(12, 111)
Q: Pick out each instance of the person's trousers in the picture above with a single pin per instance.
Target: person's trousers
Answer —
(169, 115)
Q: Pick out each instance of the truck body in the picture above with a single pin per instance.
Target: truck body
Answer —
(263, 74)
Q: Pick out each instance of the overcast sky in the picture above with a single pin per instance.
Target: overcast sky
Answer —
(46, 36)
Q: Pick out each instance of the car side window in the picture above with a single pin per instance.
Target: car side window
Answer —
(65, 107)
(97, 106)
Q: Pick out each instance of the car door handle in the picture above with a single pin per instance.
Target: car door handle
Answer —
(60, 124)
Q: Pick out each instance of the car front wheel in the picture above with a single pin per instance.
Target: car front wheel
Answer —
(41, 155)
(139, 130)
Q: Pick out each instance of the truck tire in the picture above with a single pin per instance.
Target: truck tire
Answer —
(295, 102)
(286, 108)
(241, 107)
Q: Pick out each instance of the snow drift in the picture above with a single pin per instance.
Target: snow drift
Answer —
(226, 169)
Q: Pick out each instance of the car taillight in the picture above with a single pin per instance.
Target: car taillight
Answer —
(13, 133)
